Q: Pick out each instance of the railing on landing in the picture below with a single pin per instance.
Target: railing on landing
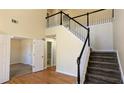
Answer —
(96, 17)
(75, 25)
(64, 19)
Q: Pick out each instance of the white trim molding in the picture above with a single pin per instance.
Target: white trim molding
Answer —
(119, 62)
(66, 73)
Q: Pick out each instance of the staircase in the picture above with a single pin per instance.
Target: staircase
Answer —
(103, 68)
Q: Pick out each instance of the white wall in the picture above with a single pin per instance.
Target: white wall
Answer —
(21, 51)
(4, 58)
(26, 46)
(101, 37)
(68, 49)
(31, 22)
(16, 51)
(118, 26)
(54, 53)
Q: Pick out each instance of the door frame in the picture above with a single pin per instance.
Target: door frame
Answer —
(20, 37)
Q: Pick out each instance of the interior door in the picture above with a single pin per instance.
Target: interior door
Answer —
(38, 55)
(4, 58)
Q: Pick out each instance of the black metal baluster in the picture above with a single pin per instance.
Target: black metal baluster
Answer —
(60, 17)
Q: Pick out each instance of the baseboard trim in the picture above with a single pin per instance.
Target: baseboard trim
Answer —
(15, 63)
(66, 73)
(119, 62)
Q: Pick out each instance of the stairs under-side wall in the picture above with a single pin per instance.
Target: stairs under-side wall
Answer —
(103, 68)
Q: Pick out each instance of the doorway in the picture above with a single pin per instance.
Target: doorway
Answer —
(20, 56)
(50, 52)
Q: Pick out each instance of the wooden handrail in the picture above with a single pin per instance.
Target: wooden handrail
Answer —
(52, 15)
(83, 46)
(89, 13)
(75, 21)
(79, 58)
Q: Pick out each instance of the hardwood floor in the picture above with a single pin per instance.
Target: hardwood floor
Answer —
(47, 76)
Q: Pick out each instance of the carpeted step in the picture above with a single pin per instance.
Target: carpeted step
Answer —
(104, 65)
(107, 57)
(111, 54)
(104, 58)
(103, 62)
(103, 68)
(91, 80)
(104, 72)
(103, 78)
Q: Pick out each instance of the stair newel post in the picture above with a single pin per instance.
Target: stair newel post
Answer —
(112, 13)
(88, 20)
(89, 37)
(78, 73)
(47, 20)
(88, 29)
(60, 17)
